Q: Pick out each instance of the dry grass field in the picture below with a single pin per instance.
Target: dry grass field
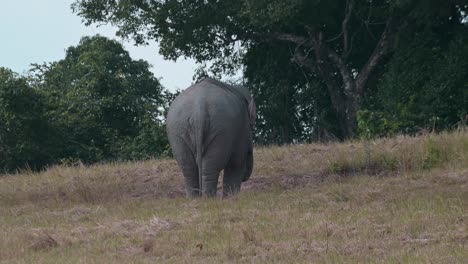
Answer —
(398, 200)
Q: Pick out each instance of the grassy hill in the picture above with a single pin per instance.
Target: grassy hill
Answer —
(398, 200)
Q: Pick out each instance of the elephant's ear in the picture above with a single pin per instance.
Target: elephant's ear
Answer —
(252, 111)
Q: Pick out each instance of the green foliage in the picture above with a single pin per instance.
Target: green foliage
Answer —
(103, 103)
(150, 142)
(24, 133)
(291, 105)
(232, 34)
(425, 86)
(374, 124)
(95, 105)
(210, 30)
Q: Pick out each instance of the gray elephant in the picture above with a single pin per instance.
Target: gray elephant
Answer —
(209, 126)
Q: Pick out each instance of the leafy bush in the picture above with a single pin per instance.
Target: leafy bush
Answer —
(375, 124)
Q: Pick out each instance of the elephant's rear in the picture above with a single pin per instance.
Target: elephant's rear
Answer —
(208, 125)
(181, 135)
(202, 111)
(187, 128)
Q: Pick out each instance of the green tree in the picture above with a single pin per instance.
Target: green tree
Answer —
(425, 85)
(341, 43)
(24, 133)
(103, 104)
(291, 105)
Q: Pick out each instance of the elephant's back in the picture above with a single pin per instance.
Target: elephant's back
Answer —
(208, 99)
(207, 95)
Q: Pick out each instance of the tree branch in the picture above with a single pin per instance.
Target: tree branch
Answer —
(293, 38)
(351, 45)
(380, 50)
(336, 37)
(344, 26)
(348, 81)
(326, 72)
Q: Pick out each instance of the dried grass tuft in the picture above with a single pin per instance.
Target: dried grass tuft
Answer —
(43, 241)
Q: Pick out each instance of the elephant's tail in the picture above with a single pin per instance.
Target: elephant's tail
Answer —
(199, 139)
(200, 162)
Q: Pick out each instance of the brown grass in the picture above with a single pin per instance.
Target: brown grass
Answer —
(43, 241)
(390, 200)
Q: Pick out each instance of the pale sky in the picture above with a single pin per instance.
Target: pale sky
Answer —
(36, 31)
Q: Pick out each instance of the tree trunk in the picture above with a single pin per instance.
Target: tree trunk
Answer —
(345, 88)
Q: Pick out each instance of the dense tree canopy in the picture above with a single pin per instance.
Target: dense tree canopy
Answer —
(97, 104)
(425, 86)
(290, 102)
(23, 130)
(340, 43)
(101, 100)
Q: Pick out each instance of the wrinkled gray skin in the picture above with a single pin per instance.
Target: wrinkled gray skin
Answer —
(209, 126)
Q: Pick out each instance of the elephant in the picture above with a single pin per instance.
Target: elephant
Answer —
(209, 127)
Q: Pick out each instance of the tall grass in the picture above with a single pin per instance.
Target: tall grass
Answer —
(316, 203)
(402, 154)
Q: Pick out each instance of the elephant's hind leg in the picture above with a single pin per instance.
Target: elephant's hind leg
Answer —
(214, 160)
(192, 185)
(232, 178)
(188, 165)
(210, 179)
